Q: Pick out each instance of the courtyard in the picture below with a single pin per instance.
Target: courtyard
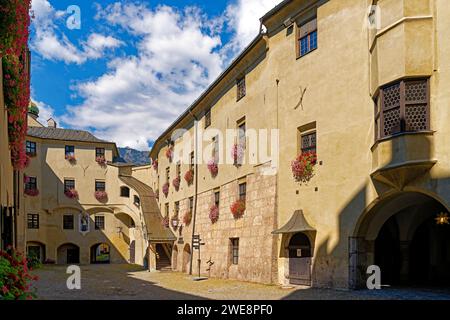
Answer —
(130, 282)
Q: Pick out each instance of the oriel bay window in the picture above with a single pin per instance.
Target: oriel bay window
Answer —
(402, 107)
(306, 37)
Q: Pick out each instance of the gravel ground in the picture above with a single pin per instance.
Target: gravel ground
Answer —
(125, 282)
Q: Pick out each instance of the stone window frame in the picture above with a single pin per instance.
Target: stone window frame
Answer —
(31, 148)
(99, 222)
(69, 183)
(68, 224)
(33, 221)
(234, 250)
(241, 89)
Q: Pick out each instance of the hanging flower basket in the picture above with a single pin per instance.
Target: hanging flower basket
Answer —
(165, 222)
(303, 166)
(187, 217)
(101, 196)
(176, 183)
(155, 164)
(31, 192)
(238, 208)
(237, 153)
(174, 221)
(169, 153)
(213, 167)
(189, 176)
(214, 213)
(165, 189)
(101, 160)
(71, 158)
(71, 194)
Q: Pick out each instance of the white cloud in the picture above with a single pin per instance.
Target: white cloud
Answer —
(53, 44)
(243, 18)
(139, 96)
(45, 112)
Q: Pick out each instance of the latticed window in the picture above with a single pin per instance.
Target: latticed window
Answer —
(33, 221)
(99, 152)
(99, 222)
(307, 38)
(191, 204)
(69, 184)
(207, 118)
(241, 90)
(177, 208)
(234, 250)
(68, 222)
(242, 191)
(308, 142)
(217, 198)
(100, 185)
(31, 183)
(403, 107)
(31, 148)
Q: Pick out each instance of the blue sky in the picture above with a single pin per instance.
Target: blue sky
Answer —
(133, 66)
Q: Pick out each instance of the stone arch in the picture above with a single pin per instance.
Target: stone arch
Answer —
(68, 253)
(100, 253)
(36, 249)
(186, 258)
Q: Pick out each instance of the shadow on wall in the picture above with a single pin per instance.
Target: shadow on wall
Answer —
(77, 239)
(397, 231)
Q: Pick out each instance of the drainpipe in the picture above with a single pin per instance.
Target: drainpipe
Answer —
(195, 187)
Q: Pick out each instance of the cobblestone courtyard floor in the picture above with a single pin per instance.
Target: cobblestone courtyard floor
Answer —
(126, 282)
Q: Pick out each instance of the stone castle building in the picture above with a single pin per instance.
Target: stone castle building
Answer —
(356, 87)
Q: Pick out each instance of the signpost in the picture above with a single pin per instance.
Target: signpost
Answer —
(196, 245)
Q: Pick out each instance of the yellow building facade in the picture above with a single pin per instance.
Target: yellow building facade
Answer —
(362, 84)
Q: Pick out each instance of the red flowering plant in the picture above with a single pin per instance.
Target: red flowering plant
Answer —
(214, 213)
(165, 222)
(15, 276)
(71, 193)
(213, 167)
(101, 160)
(101, 196)
(71, 158)
(238, 208)
(303, 166)
(31, 192)
(189, 176)
(187, 218)
(169, 153)
(176, 183)
(155, 164)
(165, 189)
(237, 153)
(15, 21)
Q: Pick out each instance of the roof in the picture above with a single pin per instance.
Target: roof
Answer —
(150, 210)
(209, 89)
(297, 223)
(275, 9)
(63, 134)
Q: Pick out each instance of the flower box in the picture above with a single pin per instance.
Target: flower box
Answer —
(189, 176)
(165, 188)
(303, 166)
(155, 164)
(101, 196)
(176, 183)
(31, 192)
(238, 208)
(214, 213)
(165, 222)
(213, 167)
(101, 160)
(71, 158)
(71, 194)
(187, 217)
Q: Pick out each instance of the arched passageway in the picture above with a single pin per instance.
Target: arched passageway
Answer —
(186, 258)
(68, 253)
(36, 250)
(405, 238)
(100, 253)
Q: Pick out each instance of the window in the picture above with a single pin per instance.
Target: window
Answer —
(215, 151)
(234, 250)
(191, 204)
(69, 184)
(217, 198)
(403, 107)
(31, 148)
(33, 221)
(68, 222)
(99, 222)
(242, 191)
(241, 90)
(167, 175)
(99, 152)
(70, 151)
(125, 192)
(308, 142)
(100, 186)
(137, 201)
(31, 183)
(191, 161)
(166, 209)
(307, 38)
(178, 169)
(177, 208)
(207, 118)
(241, 133)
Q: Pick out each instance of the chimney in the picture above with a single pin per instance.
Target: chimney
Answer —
(51, 123)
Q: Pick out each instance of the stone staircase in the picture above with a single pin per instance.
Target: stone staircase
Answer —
(162, 260)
